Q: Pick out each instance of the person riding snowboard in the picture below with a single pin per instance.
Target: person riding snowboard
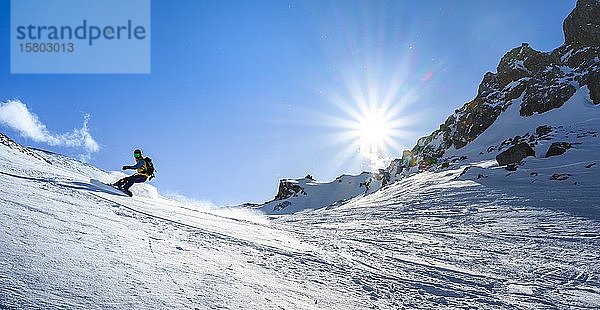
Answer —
(144, 168)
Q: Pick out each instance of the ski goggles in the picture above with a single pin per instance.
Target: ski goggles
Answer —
(137, 155)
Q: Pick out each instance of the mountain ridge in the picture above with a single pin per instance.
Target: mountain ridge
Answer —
(539, 81)
(547, 79)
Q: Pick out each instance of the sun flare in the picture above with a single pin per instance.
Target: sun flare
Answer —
(373, 129)
(375, 106)
(373, 132)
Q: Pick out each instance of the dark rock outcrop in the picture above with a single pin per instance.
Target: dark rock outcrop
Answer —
(582, 26)
(512, 167)
(282, 205)
(543, 130)
(395, 168)
(560, 176)
(515, 154)
(558, 148)
(593, 83)
(287, 189)
(521, 62)
(544, 96)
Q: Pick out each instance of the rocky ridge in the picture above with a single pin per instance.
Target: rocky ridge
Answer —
(544, 80)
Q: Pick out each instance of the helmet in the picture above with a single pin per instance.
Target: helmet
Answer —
(137, 153)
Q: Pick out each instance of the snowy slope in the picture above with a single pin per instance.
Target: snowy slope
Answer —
(66, 244)
(429, 241)
(307, 194)
(577, 114)
(577, 122)
(466, 235)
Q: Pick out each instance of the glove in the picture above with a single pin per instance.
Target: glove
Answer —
(125, 167)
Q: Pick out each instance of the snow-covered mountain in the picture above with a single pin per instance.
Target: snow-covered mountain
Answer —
(442, 239)
(535, 101)
(300, 194)
(463, 233)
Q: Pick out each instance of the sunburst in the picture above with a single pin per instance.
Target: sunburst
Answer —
(373, 121)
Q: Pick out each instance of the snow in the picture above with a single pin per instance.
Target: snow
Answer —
(566, 56)
(437, 141)
(441, 239)
(323, 194)
(518, 64)
(64, 244)
(520, 289)
(577, 112)
(432, 241)
(510, 86)
(427, 241)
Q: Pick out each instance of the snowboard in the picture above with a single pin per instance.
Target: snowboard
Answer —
(109, 188)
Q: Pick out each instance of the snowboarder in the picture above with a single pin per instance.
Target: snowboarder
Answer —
(145, 170)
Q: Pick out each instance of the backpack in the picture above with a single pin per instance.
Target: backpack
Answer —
(150, 168)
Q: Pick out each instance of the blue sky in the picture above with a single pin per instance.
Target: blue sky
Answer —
(244, 93)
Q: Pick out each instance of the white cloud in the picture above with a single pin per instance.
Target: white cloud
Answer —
(16, 115)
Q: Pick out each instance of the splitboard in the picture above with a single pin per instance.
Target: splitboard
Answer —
(107, 188)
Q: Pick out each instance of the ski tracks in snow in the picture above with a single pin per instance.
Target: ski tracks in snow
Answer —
(460, 247)
(413, 246)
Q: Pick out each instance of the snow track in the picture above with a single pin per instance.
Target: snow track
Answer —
(462, 246)
(427, 242)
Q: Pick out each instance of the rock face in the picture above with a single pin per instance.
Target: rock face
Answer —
(287, 189)
(594, 86)
(543, 130)
(545, 92)
(582, 26)
(558, 148)
(515, 154)
(542, 80)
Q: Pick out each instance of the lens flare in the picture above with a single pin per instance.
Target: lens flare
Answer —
(375, 78)
(371, 116)
(374, 132)
(373, 129)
